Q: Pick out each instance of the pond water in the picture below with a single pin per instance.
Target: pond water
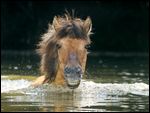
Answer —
(113, 83)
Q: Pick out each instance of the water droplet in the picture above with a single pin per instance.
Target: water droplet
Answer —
(16, 68)
(29, 66)
(124, 73)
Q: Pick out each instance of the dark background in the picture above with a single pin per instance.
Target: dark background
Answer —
(118, 26)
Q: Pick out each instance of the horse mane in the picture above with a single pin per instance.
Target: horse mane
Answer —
(66, 26)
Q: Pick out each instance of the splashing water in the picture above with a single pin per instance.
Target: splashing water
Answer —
(121, 84)
(85, 86)
(10, 85)
(88, 94)
(116, 88)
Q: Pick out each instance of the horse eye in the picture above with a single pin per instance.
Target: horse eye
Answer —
(58, 46)
(87, 46)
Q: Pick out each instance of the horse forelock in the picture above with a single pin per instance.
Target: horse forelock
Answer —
(71, 27)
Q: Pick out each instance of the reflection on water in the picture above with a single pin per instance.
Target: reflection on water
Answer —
(113, 84)
(89, 96)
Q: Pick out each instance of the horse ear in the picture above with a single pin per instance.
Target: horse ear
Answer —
(56, 23)
(87, 25)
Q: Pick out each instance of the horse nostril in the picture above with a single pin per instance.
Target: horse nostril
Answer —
(75, 70)
(78, 70)
(67, 70)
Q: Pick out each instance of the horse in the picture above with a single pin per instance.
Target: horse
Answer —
(63, 51)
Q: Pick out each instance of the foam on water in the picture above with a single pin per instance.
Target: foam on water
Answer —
(88, 87)
(11, 85)
(115, 88)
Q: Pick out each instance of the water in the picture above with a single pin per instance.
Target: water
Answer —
(112, 84)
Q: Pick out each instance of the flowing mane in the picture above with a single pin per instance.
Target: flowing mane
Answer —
(62, 27)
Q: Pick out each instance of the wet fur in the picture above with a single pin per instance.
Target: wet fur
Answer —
(62, 27)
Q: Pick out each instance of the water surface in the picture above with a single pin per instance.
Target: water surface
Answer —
(113, 83)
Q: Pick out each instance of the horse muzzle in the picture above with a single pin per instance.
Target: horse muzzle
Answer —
(73, 76)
